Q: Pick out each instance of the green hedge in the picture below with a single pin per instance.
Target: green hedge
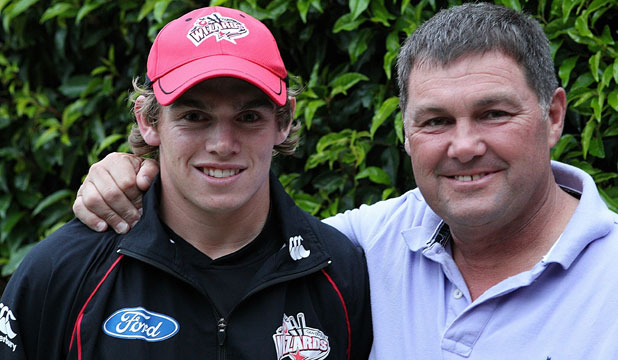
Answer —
(66, 67)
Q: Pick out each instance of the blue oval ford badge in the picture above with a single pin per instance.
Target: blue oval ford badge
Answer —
(139, 323)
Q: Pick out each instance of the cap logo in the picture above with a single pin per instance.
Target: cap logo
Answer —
(221, 27)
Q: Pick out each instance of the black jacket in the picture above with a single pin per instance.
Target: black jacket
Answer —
(85, 295)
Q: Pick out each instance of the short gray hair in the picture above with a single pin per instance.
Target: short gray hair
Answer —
(477, 28)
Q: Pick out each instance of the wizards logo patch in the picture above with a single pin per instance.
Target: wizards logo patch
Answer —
(294, 340)
(221, 27)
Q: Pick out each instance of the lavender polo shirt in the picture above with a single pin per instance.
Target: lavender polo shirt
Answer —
(565, 307)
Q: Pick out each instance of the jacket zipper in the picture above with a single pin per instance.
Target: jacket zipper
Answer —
(222, 323)
(221, 326)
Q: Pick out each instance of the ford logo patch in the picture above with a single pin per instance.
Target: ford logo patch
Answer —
(139, 323)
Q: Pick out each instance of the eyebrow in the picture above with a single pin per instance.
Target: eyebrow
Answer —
(260, 102)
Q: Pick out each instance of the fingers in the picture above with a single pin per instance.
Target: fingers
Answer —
(86, 216)
(147, 172)
(110, 194)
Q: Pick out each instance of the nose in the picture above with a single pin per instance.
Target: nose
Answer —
(222, 139)
(466, 142)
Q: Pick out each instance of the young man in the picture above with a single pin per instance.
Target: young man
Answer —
(500, 253)
(222, 265)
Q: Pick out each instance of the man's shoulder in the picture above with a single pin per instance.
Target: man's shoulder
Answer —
(72, 246)
(407, 210)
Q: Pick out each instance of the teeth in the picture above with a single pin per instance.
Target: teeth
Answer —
(469, 177)
(218, 173)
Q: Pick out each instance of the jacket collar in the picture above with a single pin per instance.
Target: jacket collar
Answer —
(302, 249)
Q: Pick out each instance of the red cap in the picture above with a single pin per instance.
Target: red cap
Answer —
(215, 42)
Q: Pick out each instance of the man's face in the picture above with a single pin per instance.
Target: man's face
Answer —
(215, 147)
(479, 141)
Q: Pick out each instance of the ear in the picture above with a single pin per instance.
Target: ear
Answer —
(406, 145)
(557, 111)
(406, 142)
(283, 133)
(148, 131)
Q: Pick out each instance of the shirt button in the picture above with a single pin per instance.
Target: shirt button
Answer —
(457, 294)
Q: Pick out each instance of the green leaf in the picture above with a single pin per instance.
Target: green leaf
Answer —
(46, 137)
(389, 57)
(5, 202)
(513, 4)
(608, 73)
(357, 7)
(567, 7)
(606, 37)
(399, 127)
(62, 9)
(159, 9)
(74, 86)
(73, 112)
(587, 136)
(581, 25)
(558, 150)
(16, 258)
(612, 99)
(87, 9)
(52, 199)
(307, 202)
(375, 174)
(611, 202)
(596, 147)
(597, 104)
(594, 62)
(584, 80)
(303, 9)
(27, 199)
(310, 110)
(380, 13)
(358, 45)
(19, 7)
(9, 223)
(343, 82)
(347, 23)
(616, 70)
(566, 68)
(385, 110)
(145, 10)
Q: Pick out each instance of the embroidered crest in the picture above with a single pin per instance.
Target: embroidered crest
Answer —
(221, 27)
(294, 340)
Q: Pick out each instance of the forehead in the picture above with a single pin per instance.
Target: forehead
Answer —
(224, 89)
(466, 77)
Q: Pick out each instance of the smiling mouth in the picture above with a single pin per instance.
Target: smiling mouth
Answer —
(221, 173)
(469, 177)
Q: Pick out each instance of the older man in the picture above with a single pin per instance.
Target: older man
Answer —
(500, 253)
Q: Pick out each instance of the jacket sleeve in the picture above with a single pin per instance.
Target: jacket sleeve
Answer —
(360, 312)
(38, 305)
(21, 309)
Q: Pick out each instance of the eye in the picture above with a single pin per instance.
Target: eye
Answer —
(193, 116)
(495, 114)
(436, 122)
(249, 117)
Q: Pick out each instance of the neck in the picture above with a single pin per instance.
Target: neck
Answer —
(218, 233)
(485, 258)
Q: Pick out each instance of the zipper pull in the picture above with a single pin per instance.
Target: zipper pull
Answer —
(221, 333)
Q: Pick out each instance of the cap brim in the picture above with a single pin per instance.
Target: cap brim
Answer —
(173, 84)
